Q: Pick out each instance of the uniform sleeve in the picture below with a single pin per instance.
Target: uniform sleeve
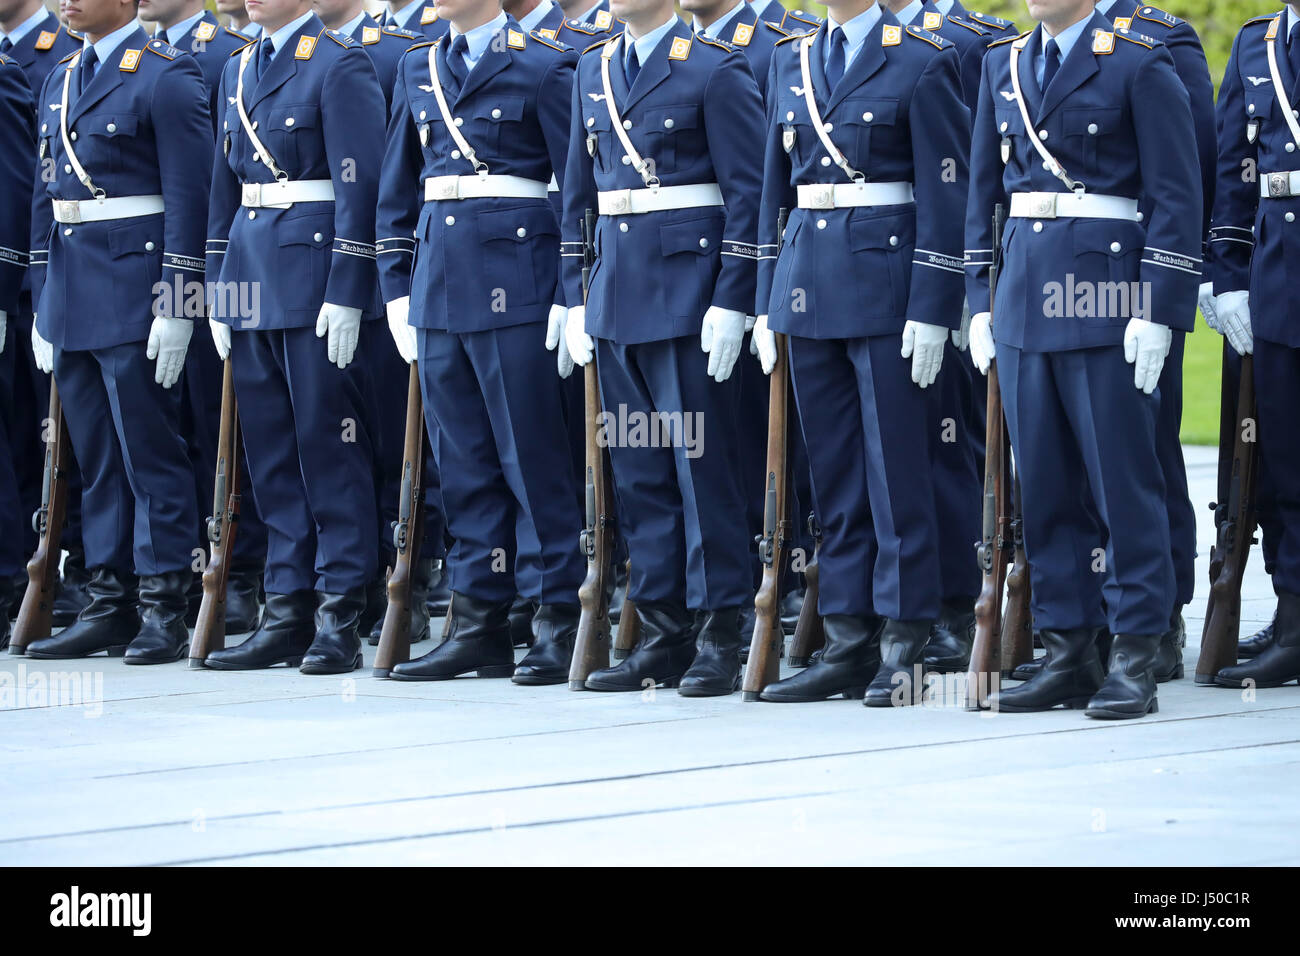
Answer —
(733, 125)
(554, 112)
(986, 193)
(1236, 195)
(1189, 62)
(18, 131)
(777, 194)
(42, 213)
(179, 111)
(579, 195)
(972, 60)
(223, 201)
(940, 129)
(399, 196)
(352, 110)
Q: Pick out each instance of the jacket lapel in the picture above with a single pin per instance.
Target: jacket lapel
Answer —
(1079, 65)
(817, 67)
(656, 71)
(870, 58)
(107, 78)
(285, 63)
(1025, 69)
(494, 59)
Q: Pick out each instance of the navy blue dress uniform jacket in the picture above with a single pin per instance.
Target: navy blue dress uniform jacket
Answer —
(319, 111)
(143, 129)
(40, 50)
(385, 46)
(1126, 108)
(18, 130)
(997, 28)
(428, 22)
(866, 270)
(580, 34)
(756, 38)
(696, 112)
(211, 45)
(484, 263)
(1254, 240)
(792, 21)
(970, 40)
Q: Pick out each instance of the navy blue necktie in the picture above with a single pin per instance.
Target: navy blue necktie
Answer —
(6, 45)
(1052, 53)
(835, 58)
(631, 64)
(265, 50)
(456, 59)
(87, 71)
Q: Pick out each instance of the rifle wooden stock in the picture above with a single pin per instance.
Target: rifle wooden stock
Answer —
(809, 631)
(764, 664)
(591, 647)
(210, 627)
(36, 610)
(408, 534)
(1017, 624)
(1235, 535)
(1223, 486)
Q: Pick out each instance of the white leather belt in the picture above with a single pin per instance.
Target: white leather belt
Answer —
(283, 194)
(840, 195)
(479, 187)
(1082, 205)
(630, 202)
(98, 210)
(1280, 185)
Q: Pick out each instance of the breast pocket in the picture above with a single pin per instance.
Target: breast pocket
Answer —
(1259, 109)
(672, 131)
(600, 137)
(1011, 128)
(860, 121)
(496, 120)
(1090, 132)
(291, 136)
(106, 138)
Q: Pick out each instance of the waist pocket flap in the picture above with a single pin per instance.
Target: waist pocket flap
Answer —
(1113, 237)
(135, 238)
(699, 236)
(315, 231)
(518, 225)
(882, 232)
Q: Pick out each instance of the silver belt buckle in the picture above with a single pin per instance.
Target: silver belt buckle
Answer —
(1042, 205)
(251, 195)
(621, 201)
(823, 197)
(449, 188)
(1279, 185)
(69, 211)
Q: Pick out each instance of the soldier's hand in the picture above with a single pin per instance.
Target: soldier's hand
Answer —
(961, 336)
(42, 350)
(220, 338)
(555, 340)
(1205, 302)
(982, 352)
(399, 326)
(343, 326)
(720, 335)
(169, 340)
(4, 329)
(1233, 309)
(575, 335)
(763, 344)
(1145, 346)
(923, 343)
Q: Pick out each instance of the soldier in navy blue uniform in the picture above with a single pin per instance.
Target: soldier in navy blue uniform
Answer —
(868, 289)
(18, 132)
(1255, 305)
(479, 127)
(1073, 128)
(125, 123)
(792, 21)
(667, 132)
(292, 216)
(415, 16)
(32, 35)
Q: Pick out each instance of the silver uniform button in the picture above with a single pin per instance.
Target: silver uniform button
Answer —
(591, 120)
(257, 158)
(893, 240)
(67, 167)
(111, 127)
(67, 232)
(1115, 247)
(627, 124)
(668, 123)
(45, 127)
(622, 227)
(521, 232)
(789, 114)
(828, 127)
(704, 243)
(288, 121)
(1290, 217)
(496, 114)
(868, 116)
(1139, 217)
(1250, 108)
(148, 247)
(254, 124)
(1001, 129)
(1042, 134)
(455, 154)
(821, 223)
(1290, 147)
(423, 114)
(317, 238)
(826, 160)
(627, 160)
(73, 135)
(1038, 227)
(450, 220)
(252, 214)
(460, 121)
(1092, 129)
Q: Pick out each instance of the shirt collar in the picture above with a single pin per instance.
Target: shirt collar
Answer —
(405, 15)
(1103, 6)
(856, 30)
(910, 12)
(251, 30)
(1291, 21)
(27, 26)
(646, 44)
(714, 29)
(105, 45)
(178, 31)
(536, 15)
(1066, 38)
(479, 38)
(944, 6)
(586, 16)
(283, 35)
(350, 27)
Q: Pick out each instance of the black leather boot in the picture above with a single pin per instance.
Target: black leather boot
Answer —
(661, 657)
(286, 632)
(1169, 655)
(372, 614)
(74, 582)
(108, 623)
(1027, 670)
(336, 648)
(243, 605)
(616, 602)
(715, 672)
(439, 601)
(479, 641)
(521, 622)
(745, 627)
(791, 607)
(847, 664)
(1070, 674)
(1130, 687)
(1279, 662)
(897, 681)
(421, 576)
(164, 602)
(951, 638)
(1254, 645)
(8, 602)
(555, 628)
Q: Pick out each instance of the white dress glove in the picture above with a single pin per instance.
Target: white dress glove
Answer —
(4, 329)
(580, 345)
(1205, 302)
(42, 350)
(399, 326)
(763, 344)
(1233, 310)
(923, 343)
(1145, 346)
(169, 340)
(220, 338)
(555, 340)
(720, 335)
(343, 326)
(982, 351)
(961, 336)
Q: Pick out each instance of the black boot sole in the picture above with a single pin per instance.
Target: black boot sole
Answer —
(1105, 713)
(1073, 703)
(1262, 684)
(667, 683)
(947, 665)
(323, 667)
(292, 661)
(705, 690)
(492, 670)
(848, 693)
(539, 680)
(139, 659)
(114, 650)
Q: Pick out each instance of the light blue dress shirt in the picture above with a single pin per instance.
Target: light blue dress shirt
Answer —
(714, 29)
(536, 15)
(909, 12)
(176, 32)
(478, 39)
(350, 27)
(106, 45)
(283, 35)
(855, 33)
(1064, 41)
(645, 45)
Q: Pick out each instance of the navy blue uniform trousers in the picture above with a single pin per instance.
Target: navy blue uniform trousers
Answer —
(493, 406)
(681, 509)
(308, 432)
(1277, 399)
(866, 426)
(137, 485)
(1080, 431)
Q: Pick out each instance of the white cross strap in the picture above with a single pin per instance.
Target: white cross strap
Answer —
(810, 101)
(639, 163)
(247, 123)
(1278, 90)
(67, 141)
(457, 136)
(1053, 166)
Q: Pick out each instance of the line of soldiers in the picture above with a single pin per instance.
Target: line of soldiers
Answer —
(889, 133)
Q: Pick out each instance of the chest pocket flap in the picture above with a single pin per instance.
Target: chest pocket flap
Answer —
(119, 124)
(595, 117)
(1008, 121)
(502, 109)
(1092, 121)
(863, 111)
(294, 117)
(1259, 100)
(671, 119)
(517, 225)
